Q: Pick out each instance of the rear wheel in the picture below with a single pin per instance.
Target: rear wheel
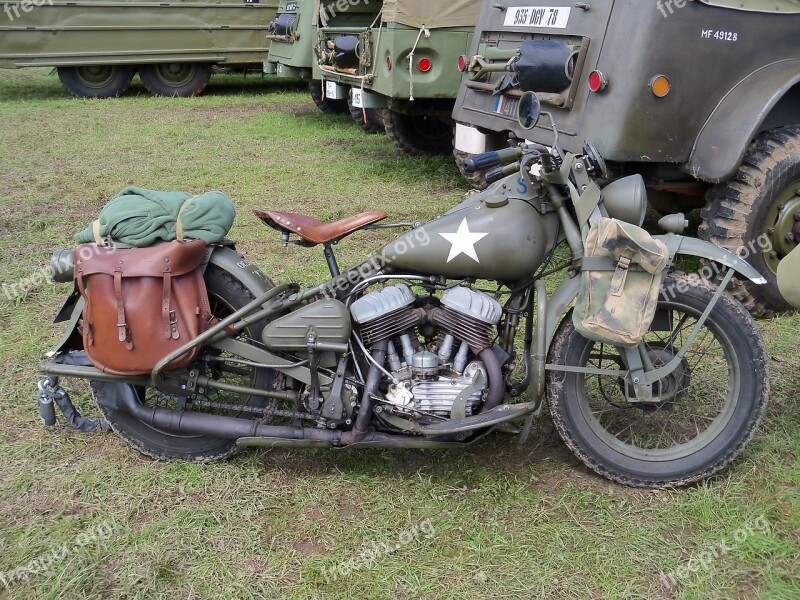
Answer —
(326, 105)
(369, 120)
(175, 79)
(418, 135)
(226, 294)
(708, 408)
(757, 214)
(96, 81)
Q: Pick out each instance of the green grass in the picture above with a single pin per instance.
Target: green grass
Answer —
(507, 521)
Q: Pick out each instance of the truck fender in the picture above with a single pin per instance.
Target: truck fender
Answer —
(737, 119)
(224, 257)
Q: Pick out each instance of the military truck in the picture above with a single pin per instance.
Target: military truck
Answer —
(702, 98)
(398, 57)
(291, 54)
(98, 45)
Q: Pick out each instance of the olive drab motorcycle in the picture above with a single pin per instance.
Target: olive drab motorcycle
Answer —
(653, 377)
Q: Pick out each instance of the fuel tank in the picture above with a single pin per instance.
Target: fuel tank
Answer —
(496, 235)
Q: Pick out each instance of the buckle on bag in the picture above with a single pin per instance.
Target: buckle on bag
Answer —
(620, 275)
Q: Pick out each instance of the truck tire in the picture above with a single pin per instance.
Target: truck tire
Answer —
(329, 107)
(175, 79)
(96, 81)
(418, 135)
(477, 180)
(373, 123)
(756, 210)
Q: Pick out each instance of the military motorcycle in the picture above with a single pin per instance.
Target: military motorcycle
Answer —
(449, 334)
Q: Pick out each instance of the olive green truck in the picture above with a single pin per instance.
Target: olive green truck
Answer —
(701, 98)
(98, 45)
(399, 57)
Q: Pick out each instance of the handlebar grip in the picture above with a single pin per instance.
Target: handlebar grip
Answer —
(487, 160)
(495, 174)
(481, 162)
(499, 173)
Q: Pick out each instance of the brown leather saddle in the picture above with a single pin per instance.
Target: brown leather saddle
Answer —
(314, 232)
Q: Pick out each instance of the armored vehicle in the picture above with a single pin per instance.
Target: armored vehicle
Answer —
(399, 57)
(701, 98)
(98, 46)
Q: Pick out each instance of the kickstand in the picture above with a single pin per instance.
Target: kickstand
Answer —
(526, 430)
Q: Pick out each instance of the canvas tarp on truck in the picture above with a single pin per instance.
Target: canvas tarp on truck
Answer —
(433, 15)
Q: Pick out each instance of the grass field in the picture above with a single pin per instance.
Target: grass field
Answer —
(497, 521)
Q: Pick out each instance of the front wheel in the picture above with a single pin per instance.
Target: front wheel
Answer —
(226, 295)
(175, 79)
(707, 409)
(96, 81)
(418, 135)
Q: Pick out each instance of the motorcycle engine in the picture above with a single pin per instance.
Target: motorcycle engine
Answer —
(430, 380)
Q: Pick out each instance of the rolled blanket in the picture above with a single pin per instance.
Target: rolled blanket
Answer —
(140, 217)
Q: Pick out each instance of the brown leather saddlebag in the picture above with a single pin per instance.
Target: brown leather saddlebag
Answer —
(141, 304)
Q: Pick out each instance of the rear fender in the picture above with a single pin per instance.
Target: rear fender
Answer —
(224, 257)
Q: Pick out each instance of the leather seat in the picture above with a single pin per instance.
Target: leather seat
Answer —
(317, 232)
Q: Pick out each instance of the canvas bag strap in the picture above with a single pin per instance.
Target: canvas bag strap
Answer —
(178, 222)
(96, 233)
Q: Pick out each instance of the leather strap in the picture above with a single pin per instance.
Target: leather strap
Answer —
(86, 306)
(166, 292)
(122, 325)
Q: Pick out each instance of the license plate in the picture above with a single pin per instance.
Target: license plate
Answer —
(548, 17)
(291, 7)
(357, 99)
(330, 90)
(506, 106)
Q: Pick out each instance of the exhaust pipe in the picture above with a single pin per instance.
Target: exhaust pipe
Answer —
(193, 423)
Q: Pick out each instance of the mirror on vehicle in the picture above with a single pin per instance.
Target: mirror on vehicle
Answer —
(529, 110)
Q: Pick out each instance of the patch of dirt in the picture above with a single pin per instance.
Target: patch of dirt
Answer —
(309, 547)
(214, 113)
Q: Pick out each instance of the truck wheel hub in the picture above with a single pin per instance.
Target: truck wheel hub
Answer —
(783, 226)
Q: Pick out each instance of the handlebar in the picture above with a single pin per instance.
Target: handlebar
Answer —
(499, 173)
(487, 160)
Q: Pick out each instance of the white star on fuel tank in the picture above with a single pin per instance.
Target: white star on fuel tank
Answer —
(463, 241)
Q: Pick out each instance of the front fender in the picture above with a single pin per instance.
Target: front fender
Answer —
(224, 257)
(558, 303)
(737, 119)
(678, 244)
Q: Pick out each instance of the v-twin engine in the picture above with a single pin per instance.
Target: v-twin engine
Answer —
(443, 375)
